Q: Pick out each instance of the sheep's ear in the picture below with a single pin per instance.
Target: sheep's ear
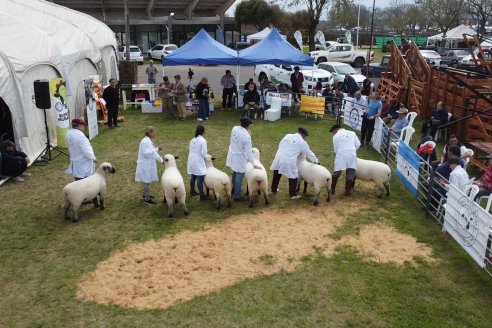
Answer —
(176, 157)
(213, 158)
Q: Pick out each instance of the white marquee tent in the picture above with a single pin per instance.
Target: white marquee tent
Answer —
(42, 40)
(455, 33)
(261, 35)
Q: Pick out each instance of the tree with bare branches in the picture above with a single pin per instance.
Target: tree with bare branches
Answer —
(481, 12)
(445, 13)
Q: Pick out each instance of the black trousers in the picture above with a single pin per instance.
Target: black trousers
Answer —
(112, 116)
(276, 181)
(227, 94)
(367, 129)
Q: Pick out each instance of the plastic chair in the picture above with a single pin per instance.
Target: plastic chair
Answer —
(405, 135)
(411, 117)
(443, 132)
(489, 201)
(275, 110)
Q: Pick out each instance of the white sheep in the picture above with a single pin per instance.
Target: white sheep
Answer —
(218, 181)
(173, 185)
(314, 174)
(256, 179)
(378, 172)
(87, 189)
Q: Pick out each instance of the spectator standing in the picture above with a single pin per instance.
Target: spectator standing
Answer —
(111, 96)
(196, 161)
(296, 81)
(367, 87)
(439, 117)
(328, 94)
(203, 94)
(13, 162)
(151, 72)
(146, 171)
(349, 85)
(374, 109)
(165, 89)
(285, 162)
(228, 83)
(345, 145)
(239, 154)
(180, 97)
(82, 158)
(251, 101)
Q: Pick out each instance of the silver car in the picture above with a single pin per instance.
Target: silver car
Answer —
(338, 71)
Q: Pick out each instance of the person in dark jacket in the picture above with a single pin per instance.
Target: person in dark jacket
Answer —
(296, 81)
(439, 117)
(251, 101)
(112, 97)
(203, 93)
(349, 85)
(13, 163)
(367, 87)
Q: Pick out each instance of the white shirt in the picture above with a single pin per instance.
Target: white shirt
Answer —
(360, 104)
(286, 158)
(81, 154)
(240, 150)
(345, 145)
(196, 161)
(459, 178)
(148, 154)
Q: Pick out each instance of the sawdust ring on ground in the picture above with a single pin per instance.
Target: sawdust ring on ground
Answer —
(160, 273)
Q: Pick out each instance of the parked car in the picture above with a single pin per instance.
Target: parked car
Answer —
(338, 71)
(161, 50)
(135, 54)
(344, 53)
(282, 73)
(376, 69)
(238, 45)
(432, 56)
(453, 57)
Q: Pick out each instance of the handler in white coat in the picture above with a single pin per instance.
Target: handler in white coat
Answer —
(196, 161)
(345, 145)
(239, 154)
(146, 172)
(285, 162)
(82, 158)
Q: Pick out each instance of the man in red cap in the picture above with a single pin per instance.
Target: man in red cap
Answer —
(82, 158)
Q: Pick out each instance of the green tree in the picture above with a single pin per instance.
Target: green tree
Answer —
(256, 12)
(342, 14)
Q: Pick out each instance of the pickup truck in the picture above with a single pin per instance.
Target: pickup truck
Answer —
(282, 73)
(376, 69)
(344, 53)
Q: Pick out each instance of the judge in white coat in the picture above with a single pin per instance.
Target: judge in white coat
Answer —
(285, 162)
(196, 161)
(345, 145)
(148, 155)
(82, 158)
(239, 154)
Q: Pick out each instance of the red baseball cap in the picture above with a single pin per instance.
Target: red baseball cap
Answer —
(79, 121)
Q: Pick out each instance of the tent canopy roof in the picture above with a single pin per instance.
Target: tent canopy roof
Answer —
(455, 33)
(202, 50)
(261, 35)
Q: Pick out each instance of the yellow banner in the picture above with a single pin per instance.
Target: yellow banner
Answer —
(59, 103)
(315, 105)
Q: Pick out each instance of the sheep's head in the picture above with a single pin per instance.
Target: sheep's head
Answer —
(107, 168)
(256, 153)
(209, 160)
(169, 160)
(301, 158)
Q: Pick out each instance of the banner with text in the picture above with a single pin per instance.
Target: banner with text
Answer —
(468, 223)
(407, 167)
(91, 109)
(352, 114)
(314, 105)
(59, 103)
(285, 97)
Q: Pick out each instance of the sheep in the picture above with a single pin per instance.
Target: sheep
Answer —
(218, 181)
(314, 174)
(78, 192)
(378, 172)
(173, 185)
(256, 179)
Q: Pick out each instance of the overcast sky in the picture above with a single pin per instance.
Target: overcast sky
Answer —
(367, 3)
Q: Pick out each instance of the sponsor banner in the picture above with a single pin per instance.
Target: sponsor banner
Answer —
(407, 167)
(298, 37)
(91, 108)
(352, 115)
(285, 97)
(320, 37)
(59, 103)
(377, 136)
(468, 223)
(315, 105)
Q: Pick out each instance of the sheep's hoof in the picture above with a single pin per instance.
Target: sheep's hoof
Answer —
(187, 213)
(250, 205)
(102, 208)
(315, 203)
(380, 196)
(75, 219)
(170, 216)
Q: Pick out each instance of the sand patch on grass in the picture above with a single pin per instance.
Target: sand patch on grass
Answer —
(158, 274)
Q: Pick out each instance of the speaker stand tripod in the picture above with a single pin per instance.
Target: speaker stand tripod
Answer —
(46, 155)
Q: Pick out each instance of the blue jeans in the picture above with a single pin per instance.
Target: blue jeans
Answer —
(237, 181)
(203, 108)
(199, 180)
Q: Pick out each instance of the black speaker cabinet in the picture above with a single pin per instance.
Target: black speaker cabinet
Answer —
(42, 94)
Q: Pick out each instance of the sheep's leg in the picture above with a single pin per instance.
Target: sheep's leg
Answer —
(101, 202)
(66, 208)
(328, 189)
(381, 188)
(170, 205)
(265, 196)
(183, 201)
(387, 186)
(95, 202)
(75, 208)
(219, 201)
(316, 195)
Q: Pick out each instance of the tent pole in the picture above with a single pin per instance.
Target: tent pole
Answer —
(237, 89)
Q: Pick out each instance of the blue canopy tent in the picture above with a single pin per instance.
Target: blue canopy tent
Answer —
(273, 50)
(202, 50)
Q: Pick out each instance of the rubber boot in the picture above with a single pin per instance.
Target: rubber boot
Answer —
(334, 181)
(348, 187)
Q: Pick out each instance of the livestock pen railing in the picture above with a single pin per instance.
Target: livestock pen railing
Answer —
(454, 209)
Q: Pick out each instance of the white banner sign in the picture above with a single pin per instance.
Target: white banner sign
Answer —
(298, 37)
(377, 136)
(92, 119)
(407, 167)
(320, 37)
(352, 114)
(285, 97)
(468, 223)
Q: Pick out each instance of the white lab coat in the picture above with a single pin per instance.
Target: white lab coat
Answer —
(81, 154)
(196, 162)
(345, 145)
(240, 150)
(286, 158)
(148, 154)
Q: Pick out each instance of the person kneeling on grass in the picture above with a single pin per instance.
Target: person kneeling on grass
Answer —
(13, 163)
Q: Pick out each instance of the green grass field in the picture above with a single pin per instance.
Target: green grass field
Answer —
(43, 256)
